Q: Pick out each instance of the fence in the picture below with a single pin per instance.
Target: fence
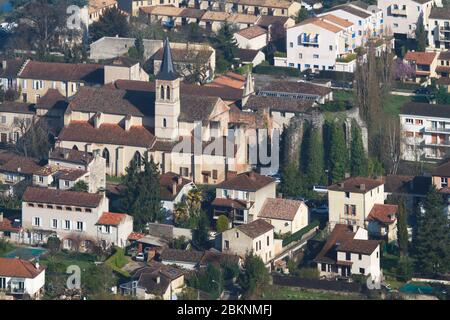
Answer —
(300, 233)
(291, 281)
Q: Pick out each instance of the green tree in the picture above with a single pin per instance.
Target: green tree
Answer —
(402, 231)
(226, 44)
(255, 275)
(302, 15)
(432, 240)
(291, 180)
(338, 153)
(97, 280)
(313, 159)
(137, 52)
(443, 96)
(404, 269)
(81, 186)
(230, 269)
(201, 235)
(358, 159)
(209, 280)
(112, 23)
(222, 223)
(53, 245)
(421, 36)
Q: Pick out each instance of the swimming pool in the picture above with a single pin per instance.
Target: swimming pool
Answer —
(26, 253)
(416, 288)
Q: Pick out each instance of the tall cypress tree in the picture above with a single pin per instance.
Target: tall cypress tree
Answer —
(313, 160)
(358, 159)
(338, 153)
(432, 241)
(402, 231)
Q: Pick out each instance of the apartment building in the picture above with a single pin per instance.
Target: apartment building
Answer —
(256, 237)
(425, 131)
(441, 179)
(348, 252)
(439, 29)
(79, 219)
(36, 78)
(401, 17)
(240, 197)
(359, 201)
(318, 43)
(367, 24)
(285, 8)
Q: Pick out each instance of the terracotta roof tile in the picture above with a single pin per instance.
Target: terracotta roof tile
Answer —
(252, 32)
(17, 107)
(425, 58)
(62, 197)
(12, 68)
(166, 182)
(426, 109)
(53, 99)
(356, 184)
(19, 268)
(111, 219)
(71, 155)
(384, 213)
(443, 170)
(336, 20)
(282, 209)
(20, 164)
(255, 228)
(247, 181)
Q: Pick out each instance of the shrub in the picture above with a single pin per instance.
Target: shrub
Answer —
(348, 58)
(309, 273)
(279, 54)
(299, 234)
(334, 106)
(222, 223)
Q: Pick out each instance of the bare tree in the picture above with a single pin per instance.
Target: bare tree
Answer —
(34, 140)
(392, 143)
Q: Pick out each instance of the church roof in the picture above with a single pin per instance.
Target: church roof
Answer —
(167, 70)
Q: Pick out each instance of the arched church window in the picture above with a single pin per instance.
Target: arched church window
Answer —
(137, 159)
(164, 123)
(162, 92)
(168, 93)
(105, 154)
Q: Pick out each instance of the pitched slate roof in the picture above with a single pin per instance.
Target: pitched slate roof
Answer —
(247, 55)
(442, 170)
(256, 102)
(355, 184)
(384, 213)
(10, 162)
(255, 228)
(62, 197)
(167, 70)
(17, 107)
(189, 256)
(296, 87)
(14, 267)
(281, 209)
(53, 99)
(89, 73)
(71, 155)
(166, 182)
(111, 219)
(247, 181)
(137, 136)
(426, 109)
(341, 239)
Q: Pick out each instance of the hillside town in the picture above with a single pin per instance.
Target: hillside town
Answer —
(224, 150)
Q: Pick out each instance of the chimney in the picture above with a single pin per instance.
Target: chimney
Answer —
(4, 64)
(341, 184)
(97, 120)
(66, 155)
(127, 123)
(179, 180)
(347, 175)
(362, 186)
(19, 169)
(158, 279)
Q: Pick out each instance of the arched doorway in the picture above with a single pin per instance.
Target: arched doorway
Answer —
(105, 154)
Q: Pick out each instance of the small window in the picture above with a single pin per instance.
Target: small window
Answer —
(54, 223)
(237, 234)
(214, 174)
(80, 225)
(78, 209)
(268, 240)
(40, 206)
(348, 256)
(67, 224)
(31, 204)
(66, 183)
(69, 208)
(323, 267)
(107, 229)
(49, 206)
(360, 256)
(362, 271)
(347, 194)
(164, 123)
(41, 179)
(37, 221)
(87, 210)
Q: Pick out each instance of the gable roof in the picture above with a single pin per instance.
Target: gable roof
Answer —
(444, 55)
(107, 133)
(440, 13)
(17, 107)
(442, 170)
(167, 181)
(426, 109)
(89, 73)
(295, 87)
(71, 155)
(14, 267)
(425, 58)
(282, 104)
(278, 208)
(401, 184)
(111, 219)
(255, 228)
(247, 181)
(11, 162)
(352, 10)
(62, 197)
(247, 55)
(52, 99)
(266, 21)
(336, 20)
(252, 32)
(12, 68)
(356, 184)
(384, 213)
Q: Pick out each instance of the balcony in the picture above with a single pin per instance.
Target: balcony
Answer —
(438, 144)
(437, 130)
(398, 12)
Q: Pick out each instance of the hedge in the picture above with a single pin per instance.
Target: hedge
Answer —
(117, 261)
(286, 71)
(300, 233)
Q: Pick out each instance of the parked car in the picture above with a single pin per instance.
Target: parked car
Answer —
(423, 90)
(140, 257)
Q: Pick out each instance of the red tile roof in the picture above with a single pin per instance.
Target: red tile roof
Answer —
(62, 197)
(384, 213)
(135, 236)
(252, 32)
(166, 182)
(229, 203)
(425, 58)
(7, 225)
(256, 228)
(111, 219)
(247, 181)
(13, 267)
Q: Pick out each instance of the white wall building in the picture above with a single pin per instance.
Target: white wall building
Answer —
(439, 29)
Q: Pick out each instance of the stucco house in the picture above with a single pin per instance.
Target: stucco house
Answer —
(8, 73)
(254, 38)
(287, 216)
(174, 189)
(241, 196)
(347, 252)
(256, 237)
(21, 278)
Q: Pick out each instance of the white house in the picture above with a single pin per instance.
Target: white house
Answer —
(348, 251)
(425, 131)
(173, 189)
(21, 278)
(256, 237)
(401, 17)
(79, 219)
(287, 216)
(439, 29)
(254, 37)
(317, 43)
